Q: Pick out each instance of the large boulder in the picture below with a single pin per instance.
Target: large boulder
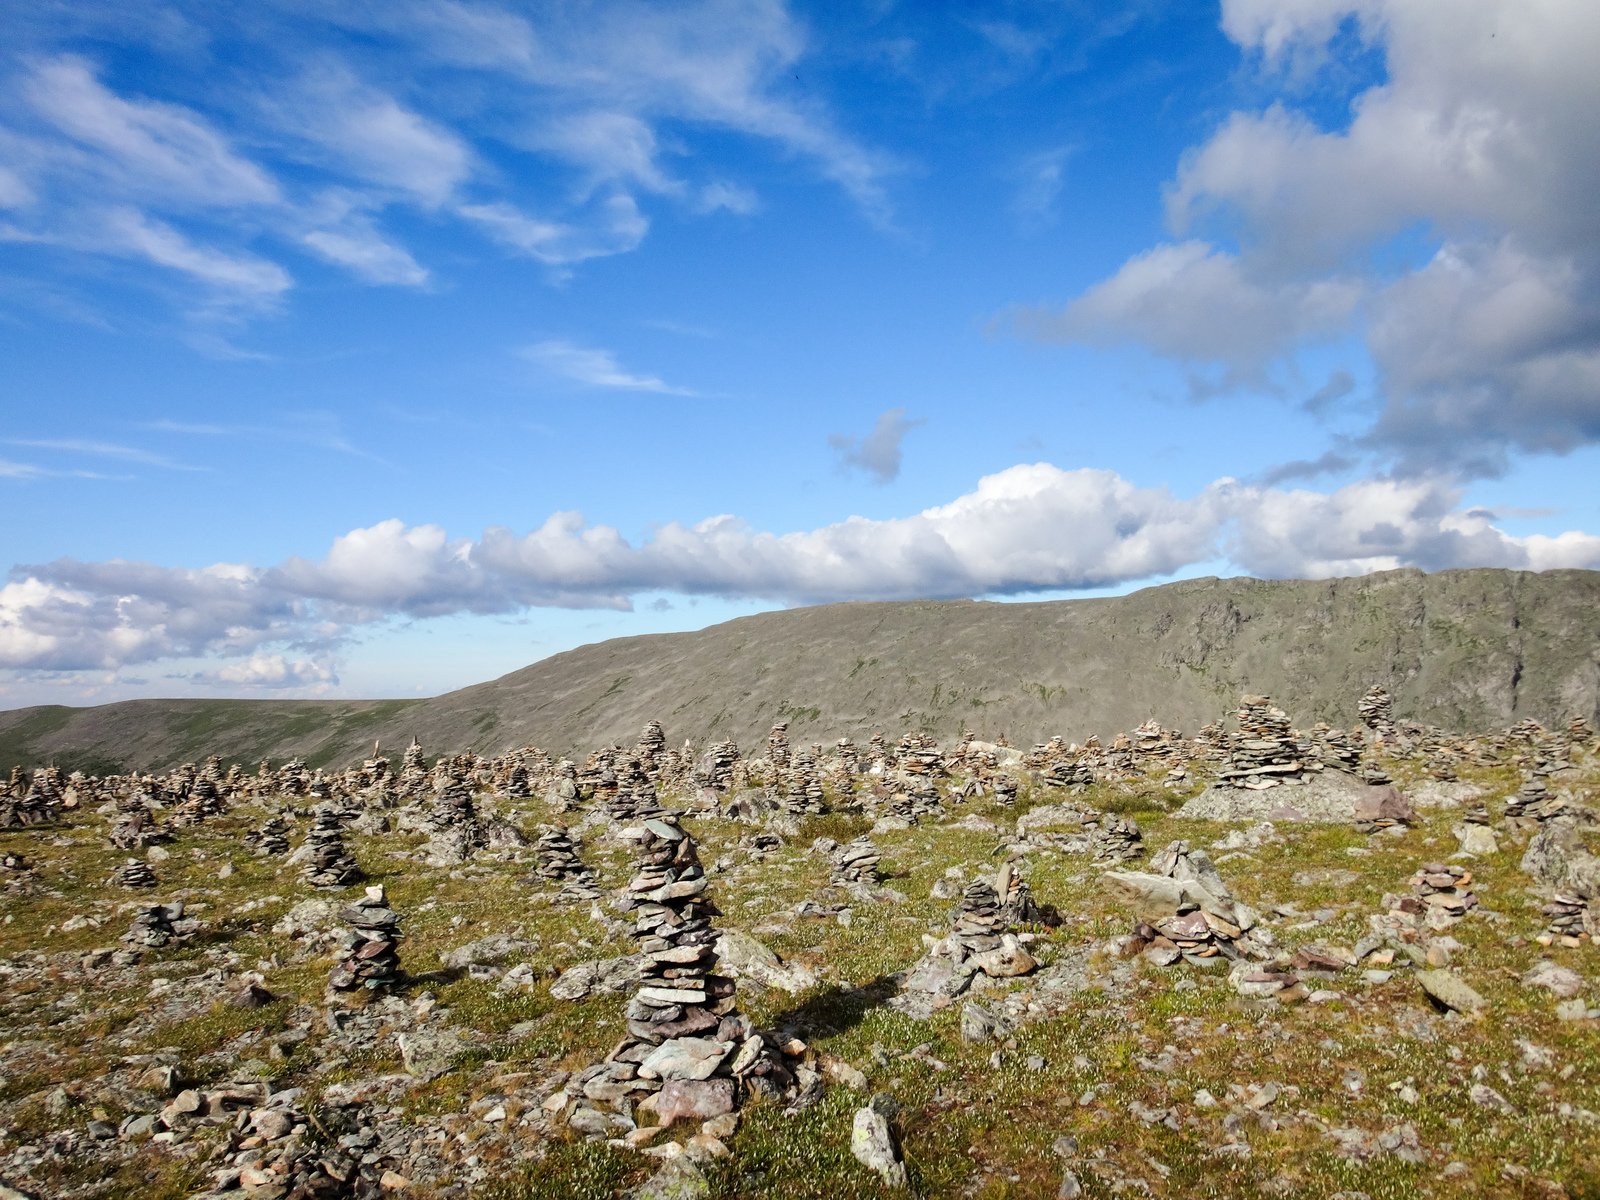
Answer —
(603, 975)
(1557, 855)
(496, 948)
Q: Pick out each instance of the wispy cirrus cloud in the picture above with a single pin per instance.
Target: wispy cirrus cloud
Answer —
(104, 450)
(594, 368)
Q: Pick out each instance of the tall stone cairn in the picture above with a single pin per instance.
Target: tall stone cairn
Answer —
(203, 802)
(778, 746)
(330, 864)
(805, 785)
(856, 862)
(651, 749)
(849, 757)
(635, 796)
(372, 958)
(684, 1027)
(153, 924)
(1376, 710)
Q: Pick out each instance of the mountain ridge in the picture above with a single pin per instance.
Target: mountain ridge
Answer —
(1466, 650)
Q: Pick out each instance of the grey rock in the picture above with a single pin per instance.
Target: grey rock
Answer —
(873, 1146)
(978, 1024)
(679, 1179)
(1563, 982)
(496, 948)
(602, 975)
(1451, 992)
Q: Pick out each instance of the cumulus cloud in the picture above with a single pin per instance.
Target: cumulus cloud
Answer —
(1029, 528)
(272, 671)
(878, 454)
(1480, 136)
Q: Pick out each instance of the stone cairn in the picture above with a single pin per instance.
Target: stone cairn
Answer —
(372, 959)
(856, 862)
(413, 770)
(1114, 838)
(1569, 918)
(1376, 710)
(849, 757)
(805, 785)
(153, 924)
(36, 806)
(651, 750)
(1058, 764)
(1444, 887)
(271, 839)
(778, 747)
(559, 862)
(518, 786)
(1208, 922)
(977, 922)
(683, 1025)
(716, 766)
(1534, 800)
(135, 826)
(1017, 905)
(135, 873)
(330, 864)
(1265, 751)
(635, 796)
(203, 802)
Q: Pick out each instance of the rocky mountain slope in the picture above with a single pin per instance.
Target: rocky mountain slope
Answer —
(1461, 650)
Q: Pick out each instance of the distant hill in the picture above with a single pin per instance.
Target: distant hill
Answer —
(1468, 651)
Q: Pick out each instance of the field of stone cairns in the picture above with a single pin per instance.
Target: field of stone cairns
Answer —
(1252, 961)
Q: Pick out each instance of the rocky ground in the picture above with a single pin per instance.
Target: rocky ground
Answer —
(1379, 1010)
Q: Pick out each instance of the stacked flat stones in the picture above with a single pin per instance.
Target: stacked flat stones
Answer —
(518, 786)
(1195, 934)
(1336, 748)
(133, 874)
(1568, 917)
(559, 862)
(330, 864)
(778, 747)
(135, 825)
(1058, 764)
(272, 839)
(153, 924)
(413, 770)
(1535, 800)
(652, 749)
(805, 785)
(33, 808)
(1115, 839)
(372, 958)
(202, 802)
(1265, 752)
(452, 806)
(716, 766)
(1376, 710)
(977, 921)
(1017, 906)
(849, 757)
(635, 795)
(1445, 887)
(680, 1011)
(856, 862)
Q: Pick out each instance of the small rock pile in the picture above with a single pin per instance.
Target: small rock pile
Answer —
(635, 796)
(1444, 887)
(849, 757)
(856, 862)
(1186, 911)
(651, 750)
(153, 924)
(271, 839)
(1569, 917)
(135, 829)
(203, 802)
(559, 863)
(372, 958)
(133, 874)
(1017, 906)
(1535, 800)
(1114, 838)
(452, 806)
(330, 864)
(33, 808)
(1336, 748)
(518, 785)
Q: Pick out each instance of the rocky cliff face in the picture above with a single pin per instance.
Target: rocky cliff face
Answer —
(1463, 650)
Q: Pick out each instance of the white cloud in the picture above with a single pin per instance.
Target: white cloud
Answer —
(368, 255)
(617, 227)
(148, 147)
(1481, 136)
(245, 276)
(1028, 528)
(273, 671)
(366, 133)
(596, 368)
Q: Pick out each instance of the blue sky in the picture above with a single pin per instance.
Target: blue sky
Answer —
(379, 349)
